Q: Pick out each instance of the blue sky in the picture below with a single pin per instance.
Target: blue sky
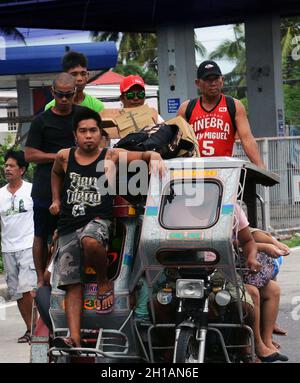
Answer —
(211, 37)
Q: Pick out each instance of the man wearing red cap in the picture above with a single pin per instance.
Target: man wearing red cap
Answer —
(132, 89)
(216, 118)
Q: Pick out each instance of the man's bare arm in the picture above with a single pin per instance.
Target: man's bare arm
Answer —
(38, 156)
(182, 109)
(249, 248)
(244, 131)
(153, 159)
(57, 179)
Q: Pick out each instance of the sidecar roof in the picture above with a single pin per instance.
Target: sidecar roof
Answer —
(257, 174)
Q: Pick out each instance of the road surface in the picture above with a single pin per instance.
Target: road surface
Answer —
(12, 326)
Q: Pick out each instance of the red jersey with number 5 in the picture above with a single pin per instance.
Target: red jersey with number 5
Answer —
(214, 129)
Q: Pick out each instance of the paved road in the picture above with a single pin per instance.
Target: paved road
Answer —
(10, 329)
(289, 315)
(12, 326)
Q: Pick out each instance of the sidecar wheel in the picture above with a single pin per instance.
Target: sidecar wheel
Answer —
(187, 346)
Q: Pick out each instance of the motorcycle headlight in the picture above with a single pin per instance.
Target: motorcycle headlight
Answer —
(222, 298)
(190, 288)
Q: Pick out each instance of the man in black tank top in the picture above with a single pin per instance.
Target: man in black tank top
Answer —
(85, 212)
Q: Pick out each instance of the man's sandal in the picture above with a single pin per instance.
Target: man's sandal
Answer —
(101, 298)
(63, 342)
(26, 338)
(66, 343)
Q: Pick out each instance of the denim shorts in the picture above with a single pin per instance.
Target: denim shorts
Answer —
(68, 262)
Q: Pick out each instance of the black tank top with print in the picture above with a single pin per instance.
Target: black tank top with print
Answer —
(84, 195)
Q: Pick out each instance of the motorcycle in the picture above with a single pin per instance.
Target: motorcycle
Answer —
(176, 242)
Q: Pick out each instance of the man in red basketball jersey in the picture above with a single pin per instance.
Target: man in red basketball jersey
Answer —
(217, 118)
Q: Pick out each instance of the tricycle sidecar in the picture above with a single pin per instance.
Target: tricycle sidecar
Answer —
(175, 242)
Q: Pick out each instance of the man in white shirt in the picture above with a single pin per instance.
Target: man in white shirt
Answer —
(16, 212)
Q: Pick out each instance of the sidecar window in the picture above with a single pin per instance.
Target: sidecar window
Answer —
(190, 204)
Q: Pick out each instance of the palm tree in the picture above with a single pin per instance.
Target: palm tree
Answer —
(138, 49)
(290, 29)
(290, 32)
(234, 50)
(199, 47)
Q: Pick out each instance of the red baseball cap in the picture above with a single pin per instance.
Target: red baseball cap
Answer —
(129, 81)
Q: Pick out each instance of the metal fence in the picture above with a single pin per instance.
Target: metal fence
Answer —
(282, 156)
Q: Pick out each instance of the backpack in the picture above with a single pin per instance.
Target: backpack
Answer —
(165, 139)
(229, 102)
(162, 138)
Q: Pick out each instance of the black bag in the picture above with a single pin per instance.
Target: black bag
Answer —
(161, 138)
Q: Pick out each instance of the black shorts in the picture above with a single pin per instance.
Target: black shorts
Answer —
(44, 222)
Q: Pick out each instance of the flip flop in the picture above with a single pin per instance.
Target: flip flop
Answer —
(63, 342)
(101, 298)
(279, 331)
(67, 343)
(273, 358)
(26, 338)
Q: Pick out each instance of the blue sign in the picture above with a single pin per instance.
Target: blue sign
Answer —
(173, 105)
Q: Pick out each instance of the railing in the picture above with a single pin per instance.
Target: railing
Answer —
(282, 156)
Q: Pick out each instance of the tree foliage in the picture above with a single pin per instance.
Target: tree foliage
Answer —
(290, 44)
(138, 53)
(235, 51)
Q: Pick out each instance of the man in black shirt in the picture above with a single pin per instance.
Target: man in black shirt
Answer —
(49, 132)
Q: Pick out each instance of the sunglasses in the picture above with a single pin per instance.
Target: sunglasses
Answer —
(132, 95)
(63, 94)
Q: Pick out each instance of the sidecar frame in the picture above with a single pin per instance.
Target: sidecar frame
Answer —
(239, 180)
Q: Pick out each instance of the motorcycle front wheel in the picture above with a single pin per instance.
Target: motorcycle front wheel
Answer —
(187, 346)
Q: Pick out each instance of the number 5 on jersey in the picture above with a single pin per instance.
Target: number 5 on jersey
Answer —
(208, 148)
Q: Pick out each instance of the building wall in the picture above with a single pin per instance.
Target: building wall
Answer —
(8, 107)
